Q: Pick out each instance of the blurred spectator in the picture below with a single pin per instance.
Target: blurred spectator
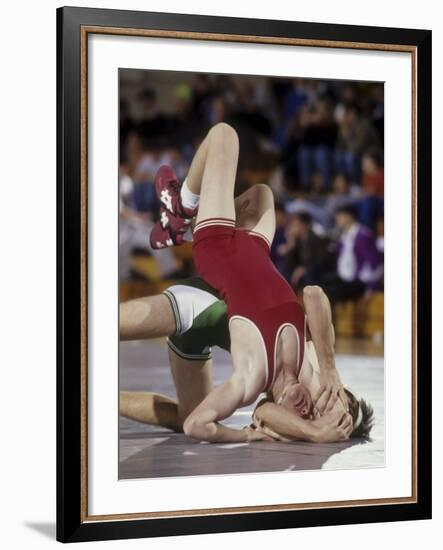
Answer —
(143, 193)
(185, 125)
(380, 232)
(127, 125)
(218, 110)
(279, 236)
(306, 254)
(356, 134)
(322, 208)
(342, 194)
(134, 230)
(378, 108)
(319, 132)
(373, 173)
(248, 112)
(201, 92)
(293, 101)
(153, 124)
(371, 206)
(347, 93)
(359, 263)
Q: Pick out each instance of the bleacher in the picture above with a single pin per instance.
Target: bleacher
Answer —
(149, 280)
(360, 318)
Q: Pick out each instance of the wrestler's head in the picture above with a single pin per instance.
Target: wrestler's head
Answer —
(297, 398)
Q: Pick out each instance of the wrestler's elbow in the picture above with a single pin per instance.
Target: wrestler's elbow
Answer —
(314, 297)
(199, 428)
(313, 292)
(193, 427)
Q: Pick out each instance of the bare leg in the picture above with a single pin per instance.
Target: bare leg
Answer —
(193, 382)
(195, 174)
(214, 166)
(149, 317)
(212, 173)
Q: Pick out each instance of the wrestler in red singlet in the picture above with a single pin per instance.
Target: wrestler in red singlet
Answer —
(236, 262)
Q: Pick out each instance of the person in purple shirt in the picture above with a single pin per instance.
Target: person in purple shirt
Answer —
(359, 263)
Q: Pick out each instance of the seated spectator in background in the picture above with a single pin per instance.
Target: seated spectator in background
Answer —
(319, 132)
(134, 230)
(373, 181)
(153, 124)
(127, 125)
(359, 263)
(355, 135)
(322, 208)
(248, 110)
(305, 254)
(201, 93)
(346, 93)
(342, 194)
(380, 232)
(185, 123)
(371, 206)
(294, 99)
(377, 105)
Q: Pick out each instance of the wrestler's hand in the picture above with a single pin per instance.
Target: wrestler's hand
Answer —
(332, 427)
(331, 389)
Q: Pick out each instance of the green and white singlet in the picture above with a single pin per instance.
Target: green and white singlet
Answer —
(200, 318)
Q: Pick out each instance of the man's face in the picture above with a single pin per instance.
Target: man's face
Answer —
(295, 227)
(340, 185)
(343, 220)
(368, 165)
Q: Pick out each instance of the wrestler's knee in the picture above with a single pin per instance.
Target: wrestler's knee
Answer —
(262, 194)
(225, 132)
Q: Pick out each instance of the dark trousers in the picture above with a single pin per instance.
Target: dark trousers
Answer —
(339, 290)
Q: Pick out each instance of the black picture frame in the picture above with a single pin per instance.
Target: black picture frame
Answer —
(72, 526)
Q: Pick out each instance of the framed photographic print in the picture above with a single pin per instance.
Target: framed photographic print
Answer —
(244, 274)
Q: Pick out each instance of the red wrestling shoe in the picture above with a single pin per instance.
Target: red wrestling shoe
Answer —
(168, 189)
(174, 217)
(163, 234)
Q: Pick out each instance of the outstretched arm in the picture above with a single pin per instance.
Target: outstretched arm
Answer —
(319, 318)
(330, 428)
